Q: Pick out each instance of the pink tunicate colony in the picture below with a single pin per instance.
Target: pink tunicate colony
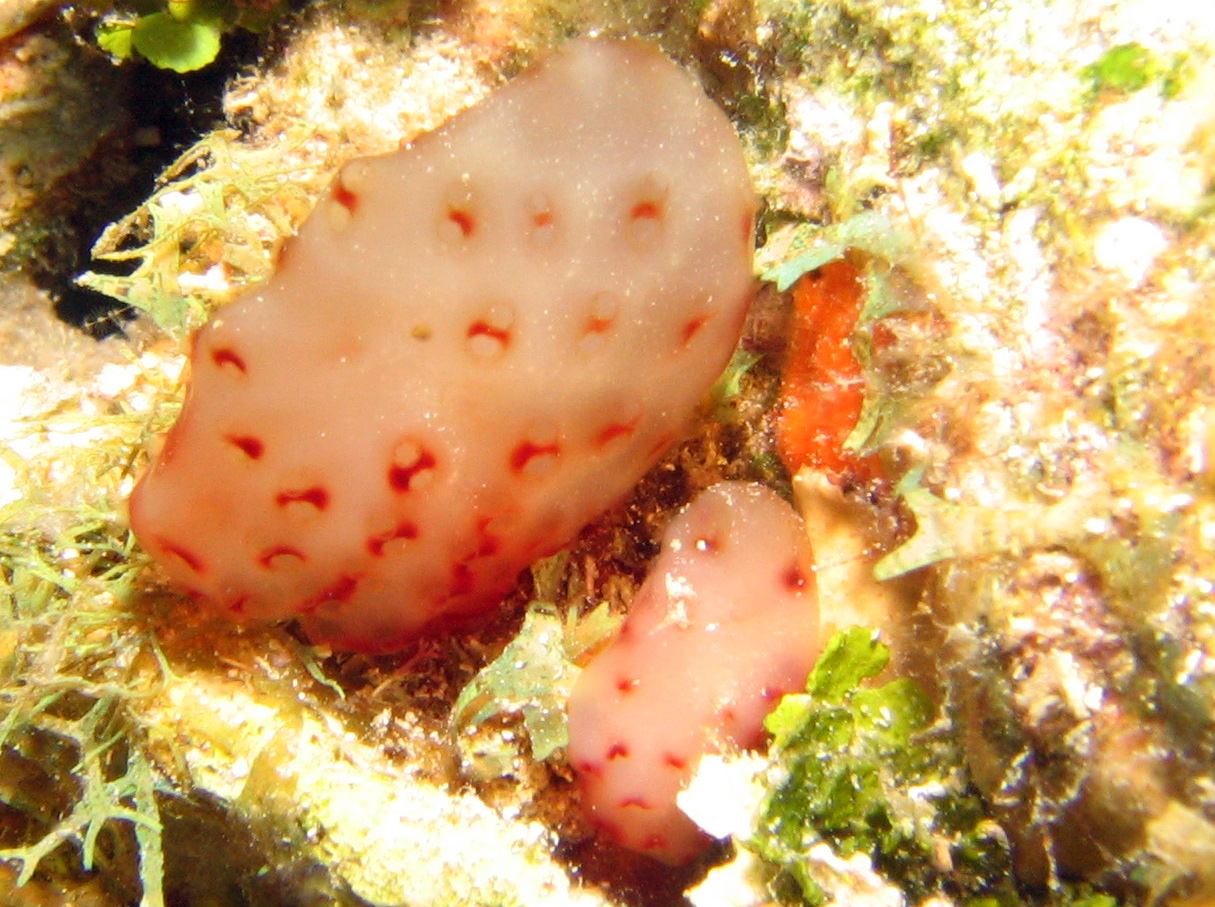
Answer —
(723, 626)
(472, 348)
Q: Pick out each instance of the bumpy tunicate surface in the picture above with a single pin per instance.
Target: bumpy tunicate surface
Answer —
(474, 346)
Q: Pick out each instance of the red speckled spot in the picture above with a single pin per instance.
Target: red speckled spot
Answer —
(462, 219)
(342, 590)
(660, 445)
(595, 325)
(617, 751)
(224, 355)
(602, 313)
(415, 461)
(654, 842)
(627, 684)
(490, 542)
(794, 578)
(646, 210)
(462, 579)
(693, 327)
(615, 430)
(404, 530)
(345, 198)
(239, 604)
(182, 553)
(528, 451)
(604, 826)
(674, 761)
(317, 496)
(485, 329)
(251, 447)
(280, 556)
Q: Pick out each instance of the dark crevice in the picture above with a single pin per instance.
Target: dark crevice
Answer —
(162, 114)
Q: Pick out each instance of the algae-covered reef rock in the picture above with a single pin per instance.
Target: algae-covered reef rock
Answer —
(1037, 367)
(60, 101)
(381, 824)
(1025, 193)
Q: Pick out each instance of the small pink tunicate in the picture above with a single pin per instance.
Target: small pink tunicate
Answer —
(725, 624)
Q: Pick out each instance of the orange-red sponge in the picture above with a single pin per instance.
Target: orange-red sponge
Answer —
(822, 387)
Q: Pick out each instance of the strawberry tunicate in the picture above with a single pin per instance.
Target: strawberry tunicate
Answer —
(473, 347)
(725, 624)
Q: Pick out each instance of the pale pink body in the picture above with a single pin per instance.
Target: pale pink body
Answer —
(473, 347)
(725, 624)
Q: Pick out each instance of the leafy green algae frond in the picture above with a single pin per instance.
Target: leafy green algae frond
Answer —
(183, 35)
(533, 677)
(864, 772)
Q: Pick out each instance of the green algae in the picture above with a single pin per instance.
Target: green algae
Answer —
(532, 677)
(862, 770)
(1127, 68)
(69, 678)
(212, 213)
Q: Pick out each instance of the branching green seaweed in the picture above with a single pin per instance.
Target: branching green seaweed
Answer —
(209, 230)
(532, 678)
(72, 664)
(74, 661)
(814, 246)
